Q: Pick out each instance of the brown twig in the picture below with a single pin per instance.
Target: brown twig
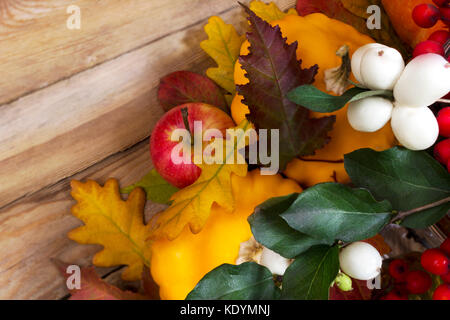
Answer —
(404, 214)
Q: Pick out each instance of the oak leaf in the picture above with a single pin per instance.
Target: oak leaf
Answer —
(223, 45)
(192, 204)
(273, 70)
(183, 87)
(92, 287)
(269, 11)
(115, 224)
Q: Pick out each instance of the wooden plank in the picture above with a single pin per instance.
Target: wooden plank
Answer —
(37, 49)
(62, 129)
(34, 230)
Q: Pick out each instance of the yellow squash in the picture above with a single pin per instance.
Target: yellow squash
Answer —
(178, 265)
(319, 37)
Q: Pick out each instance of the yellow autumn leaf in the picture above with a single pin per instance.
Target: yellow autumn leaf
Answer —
(115, 224)
(192, 205)
(269, 11)
(223, 45)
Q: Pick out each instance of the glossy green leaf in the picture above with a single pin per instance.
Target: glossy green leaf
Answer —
(316, 100)
(273, 232)
(247, 281)
(310, 276)
(408, 179)
(336, 212)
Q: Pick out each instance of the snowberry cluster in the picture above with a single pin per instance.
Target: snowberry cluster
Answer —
(421, 83)
(435, 261)
(426, 16)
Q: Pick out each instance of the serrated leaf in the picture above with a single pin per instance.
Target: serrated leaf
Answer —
(92, 287)
(273, 71)
(408, 179)
(115, 224)
(223, 45)
(309, 277)
(183, 87)
(247, 281)
(192, 205)
(333, 211)
(157, 189)
(273, 232)
(316, 100)
(269, 11)
(353, 13)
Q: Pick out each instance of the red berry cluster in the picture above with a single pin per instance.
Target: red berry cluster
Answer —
(426, 16)
(435, 261)
(442, 149)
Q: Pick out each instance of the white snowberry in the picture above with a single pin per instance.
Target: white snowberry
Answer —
(369, 114)
(276, 263)
(381, 67)
(360, 260)
(415, 128)
(356, 59)
(425, 80)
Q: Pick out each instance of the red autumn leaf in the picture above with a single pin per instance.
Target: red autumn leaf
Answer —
(379, 243)
(359, 292)
(94, 288)
(184, 86)
(273, 70)
(354, 13)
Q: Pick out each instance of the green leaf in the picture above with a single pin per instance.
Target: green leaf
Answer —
(336, 212)
(158, 190)
(310, 276)
(273, 232)
(316, 100)
(408, 179)
(247, 281)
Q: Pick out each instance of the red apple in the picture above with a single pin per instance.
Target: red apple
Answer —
(161, 145)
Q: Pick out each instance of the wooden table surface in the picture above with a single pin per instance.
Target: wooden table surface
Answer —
(78, 104)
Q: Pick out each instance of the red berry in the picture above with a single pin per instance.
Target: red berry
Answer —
(418, 282)
(445, 14)
(398, 269)
(440, 36)
(442, 151)
(441, 3)
(443, 119)
(446, 277)
(394, 296)
(435, 261)
(442, 292)
(426, 15)
(428, 46)
(445, 247)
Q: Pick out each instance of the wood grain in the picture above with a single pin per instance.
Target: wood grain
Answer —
(76, 129)
(36, 228)
(37, 49)
(60, 130)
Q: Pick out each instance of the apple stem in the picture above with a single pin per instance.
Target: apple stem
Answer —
(185, 114)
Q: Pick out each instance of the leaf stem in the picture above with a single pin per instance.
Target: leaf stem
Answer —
(404, 214)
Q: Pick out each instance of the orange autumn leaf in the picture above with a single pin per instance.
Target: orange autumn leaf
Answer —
(115, 224)
(379, 243)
